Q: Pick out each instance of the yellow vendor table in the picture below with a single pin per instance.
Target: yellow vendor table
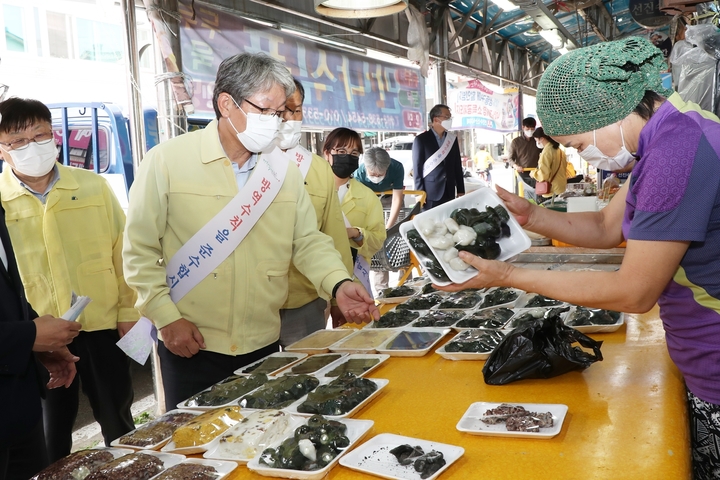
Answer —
(626, 419)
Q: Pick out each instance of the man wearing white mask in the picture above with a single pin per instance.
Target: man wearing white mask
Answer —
(523, 152)
(304, 311)
(213, 229)
(66, 226)
(437, 166)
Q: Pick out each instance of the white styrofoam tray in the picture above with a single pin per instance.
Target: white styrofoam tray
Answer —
(356, 430)
(355, 356)
(158, 445)
(319, 342)
(395, 352)
(596, 328)
(374, 458)
(292, 357)
(222, 468)
(464, 355)
(380, 382)
(471, 420)
(517, 242)
(404, 228)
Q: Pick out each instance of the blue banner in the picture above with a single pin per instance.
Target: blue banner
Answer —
(341, 89)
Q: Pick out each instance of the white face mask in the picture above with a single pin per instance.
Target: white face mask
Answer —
(375, 179)
(289, 134)
(446, 124)
(539, 145)
(35, 160)
(260, 130)
(528, 133)
(599, 160)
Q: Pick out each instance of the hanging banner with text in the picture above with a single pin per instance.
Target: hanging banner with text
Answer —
(341, 89)
(476, 106)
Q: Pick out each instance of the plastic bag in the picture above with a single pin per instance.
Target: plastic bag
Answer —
(541, 349)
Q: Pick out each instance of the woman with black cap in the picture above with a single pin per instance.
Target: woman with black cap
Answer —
(607, 101)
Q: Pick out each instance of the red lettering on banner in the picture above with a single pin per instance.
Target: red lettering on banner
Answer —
(256, 196)
(264, 185)
(235, 222)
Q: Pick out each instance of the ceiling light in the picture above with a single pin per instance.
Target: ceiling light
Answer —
(326, 41)
(553, 37)
(359, 8)
(506, 5)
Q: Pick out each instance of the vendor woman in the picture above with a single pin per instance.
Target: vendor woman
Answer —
(607, 101)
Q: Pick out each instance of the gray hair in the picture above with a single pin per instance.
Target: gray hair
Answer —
(377, 158)
(246, 74)
(436, 111)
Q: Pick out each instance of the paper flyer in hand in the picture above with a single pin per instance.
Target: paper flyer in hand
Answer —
(138, 342)
(77, 305)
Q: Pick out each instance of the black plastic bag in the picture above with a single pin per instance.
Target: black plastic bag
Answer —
(541, 349)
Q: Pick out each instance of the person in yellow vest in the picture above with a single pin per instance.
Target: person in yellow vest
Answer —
(231, 265)
(66, 225)
(304, 311)
(365, 221)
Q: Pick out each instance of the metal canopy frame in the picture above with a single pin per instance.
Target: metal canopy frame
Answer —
(468, 37)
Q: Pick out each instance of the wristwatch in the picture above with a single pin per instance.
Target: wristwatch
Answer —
(359, 238)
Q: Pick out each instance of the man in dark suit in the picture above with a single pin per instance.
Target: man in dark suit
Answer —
(437, 167)
(26, 340)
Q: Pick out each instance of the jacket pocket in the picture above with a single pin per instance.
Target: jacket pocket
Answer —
(274, 278)
(96, 279)
(39, 294)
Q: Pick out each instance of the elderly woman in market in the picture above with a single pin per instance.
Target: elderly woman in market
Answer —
(361, 208)
(552, 165)
(607, 101)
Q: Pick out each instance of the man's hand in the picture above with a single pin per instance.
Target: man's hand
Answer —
(519, 168)
(355, 303)
(520, 208)
(124, 327)
(61, 366)
(53, 333)
(182, 338)
(491, 273)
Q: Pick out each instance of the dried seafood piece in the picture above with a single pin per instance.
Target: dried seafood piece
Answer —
(492, 319)
(314, 363)
(189, 471)
(413, 340)
(253, 433)
(583, 316)
(538, 300)
(394, 292)
(461, 300)
(227, 390)
(339, 396)
(439, 318)
(270, 364)
(428, 288)
(396, 318)
(502, 412)
(358, 366)
(475, 341)
(406, 453)
(312, 446)
(427, 464)
(134, 466)
(204, 428)
(75, 465)
(156, 431)
(421, 302)
(280, 392)
(532, 422)
(499, 296)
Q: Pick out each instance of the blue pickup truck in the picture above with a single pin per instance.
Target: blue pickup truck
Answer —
(86, 131)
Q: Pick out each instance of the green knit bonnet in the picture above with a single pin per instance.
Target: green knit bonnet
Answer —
(593, 87)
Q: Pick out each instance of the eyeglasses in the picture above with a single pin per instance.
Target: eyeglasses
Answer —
(344, 151)
(267, 112)
(288, 114)
(22, 143)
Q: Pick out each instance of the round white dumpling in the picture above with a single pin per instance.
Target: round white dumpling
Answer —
(458, 264)
(441, 243)
(307, 448)
(450, 253)
(440, 229)
(465, 235)
(426, 226)
(451, 225)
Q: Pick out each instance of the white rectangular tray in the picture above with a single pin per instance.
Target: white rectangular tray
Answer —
(157, 446)
(471, 423)
(463, 355)
(170, 446)
(597, 328)
(404, 228)
(385, 348)
(374, 458)
(204, 408)
(383, 300)
(522, 301)
(360, 340)
(356, 430)
(223, 468)
(380, 382)
(517, 242)
(292, 356)
(319, 342)
(355, 356)
(214, 451)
